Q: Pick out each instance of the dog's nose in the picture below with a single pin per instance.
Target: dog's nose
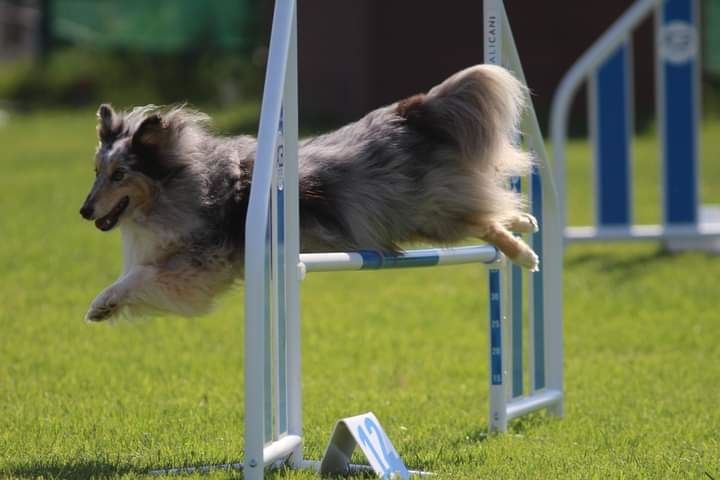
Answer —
(87, 211)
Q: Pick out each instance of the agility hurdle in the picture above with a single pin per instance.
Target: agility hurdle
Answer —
(274, 269)
(607, 69)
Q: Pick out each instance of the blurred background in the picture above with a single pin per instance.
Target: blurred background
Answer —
(354, 55)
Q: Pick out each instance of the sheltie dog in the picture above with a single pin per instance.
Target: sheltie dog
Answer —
(433, 167)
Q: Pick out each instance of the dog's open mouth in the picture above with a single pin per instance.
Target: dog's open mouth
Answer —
(110, 220)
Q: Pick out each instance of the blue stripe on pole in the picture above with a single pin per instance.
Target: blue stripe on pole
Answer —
(537, 282)
(612, 142)
(679, 143)
(268, 334)
(373, 260)
(282, 317)
(495, 328)
(517, 332)
(517, 317)
(281, 280)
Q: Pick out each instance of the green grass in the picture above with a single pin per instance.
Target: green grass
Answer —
(642, 341)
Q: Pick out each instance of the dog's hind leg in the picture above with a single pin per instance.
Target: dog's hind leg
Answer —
(513, 247)
(523, 223)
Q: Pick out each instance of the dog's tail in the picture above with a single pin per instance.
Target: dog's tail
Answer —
(477, 110)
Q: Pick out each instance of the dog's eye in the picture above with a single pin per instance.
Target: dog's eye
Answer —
(117, 175)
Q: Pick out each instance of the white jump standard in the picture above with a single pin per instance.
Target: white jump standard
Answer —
(274, 269)
(545, 359)
(607, 68)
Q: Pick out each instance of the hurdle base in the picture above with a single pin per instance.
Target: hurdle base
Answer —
(313, 465)
(546, 399)
(705, 236)
(709, 222)
(549, 399)
(358, 469)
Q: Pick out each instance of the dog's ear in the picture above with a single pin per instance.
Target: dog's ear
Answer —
(107, 123)
(148, 143)
(151, 133)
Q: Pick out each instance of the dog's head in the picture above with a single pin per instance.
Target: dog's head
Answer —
(134, 158)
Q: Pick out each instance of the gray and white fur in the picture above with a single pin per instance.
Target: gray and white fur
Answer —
(432, 167)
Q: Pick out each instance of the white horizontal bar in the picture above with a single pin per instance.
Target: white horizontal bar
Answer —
(536, 401)
(331, 262)
(280, 450)
(372, 260)
(473, 254)
(641, 232)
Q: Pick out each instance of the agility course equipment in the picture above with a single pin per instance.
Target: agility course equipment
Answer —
(274, 268)
(607, 68)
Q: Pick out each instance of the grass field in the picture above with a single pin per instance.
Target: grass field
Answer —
(642, 341)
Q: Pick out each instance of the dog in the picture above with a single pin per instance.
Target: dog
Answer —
(434, 167)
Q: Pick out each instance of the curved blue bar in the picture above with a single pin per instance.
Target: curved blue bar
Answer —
(428, 257)
(373, 260)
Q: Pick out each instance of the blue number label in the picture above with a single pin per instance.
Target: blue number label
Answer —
(370, 434)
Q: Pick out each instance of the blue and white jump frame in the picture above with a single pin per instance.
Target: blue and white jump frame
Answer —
(607, 69)
(274, 268)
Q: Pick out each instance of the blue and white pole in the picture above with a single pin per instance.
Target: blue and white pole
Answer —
(611, 129)
(678, 97)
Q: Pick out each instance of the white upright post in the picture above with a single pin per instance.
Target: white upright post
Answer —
(545, 287)
(501, 277)
(492, 40)
(292, 249)
(497, 335)
(262, 302)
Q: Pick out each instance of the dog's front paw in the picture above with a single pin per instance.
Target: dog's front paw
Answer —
(528, 259)
(103, 307)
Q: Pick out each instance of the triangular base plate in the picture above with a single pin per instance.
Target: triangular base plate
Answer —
(366, 432)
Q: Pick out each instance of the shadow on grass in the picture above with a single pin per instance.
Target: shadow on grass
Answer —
(70, 470)
(101, 469)
(620, 263)
(518, 426)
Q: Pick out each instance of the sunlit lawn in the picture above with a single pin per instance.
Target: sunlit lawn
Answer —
(642, 336)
